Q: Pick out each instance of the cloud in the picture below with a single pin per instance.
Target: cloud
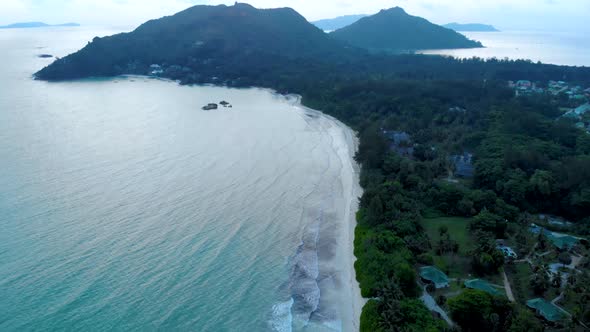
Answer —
(91, 12)
(508, 14)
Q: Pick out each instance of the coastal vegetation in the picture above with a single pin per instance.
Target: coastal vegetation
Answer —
(422, 121)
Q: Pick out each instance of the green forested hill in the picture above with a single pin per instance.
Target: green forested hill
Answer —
(394, 30)
(203, 35)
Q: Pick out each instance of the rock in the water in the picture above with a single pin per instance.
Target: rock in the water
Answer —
(209, 107)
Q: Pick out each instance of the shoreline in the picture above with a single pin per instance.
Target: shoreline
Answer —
(350, 310)
(358, 302)
(351, 302)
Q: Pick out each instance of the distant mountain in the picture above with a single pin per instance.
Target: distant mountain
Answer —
(393, 30)
(340, 22)
(207, 39)
(27, 25)
(474, 27)
(66, 25)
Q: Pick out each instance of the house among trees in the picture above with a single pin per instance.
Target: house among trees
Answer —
(508, 252)
(559, 240)
(546, 310)
(564, 241)
(432, 275)
(524, 84)
(556, 221)
(156, 70)
(400, 142)
(582, 109)
(463, 165)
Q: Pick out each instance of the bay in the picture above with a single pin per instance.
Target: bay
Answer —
(125, 207)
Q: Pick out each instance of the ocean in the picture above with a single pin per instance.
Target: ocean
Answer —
(560, 48)
(125, 207)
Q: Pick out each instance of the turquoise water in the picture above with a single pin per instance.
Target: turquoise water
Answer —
(125, 207)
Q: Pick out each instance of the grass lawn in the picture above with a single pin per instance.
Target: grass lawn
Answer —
(455, 266)
(458, 229)
(519, 275)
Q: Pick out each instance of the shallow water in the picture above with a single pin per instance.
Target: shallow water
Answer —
(124, 206)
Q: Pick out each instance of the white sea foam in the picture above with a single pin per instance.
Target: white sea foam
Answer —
(282, 318)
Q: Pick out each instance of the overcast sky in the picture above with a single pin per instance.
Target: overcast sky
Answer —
(563, 15)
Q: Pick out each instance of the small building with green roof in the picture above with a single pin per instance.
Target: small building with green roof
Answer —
(431, 274)
(548, 311)
(564, 242)
(561, 241)
(482, 285)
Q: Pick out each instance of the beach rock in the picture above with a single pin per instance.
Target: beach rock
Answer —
(210, 106)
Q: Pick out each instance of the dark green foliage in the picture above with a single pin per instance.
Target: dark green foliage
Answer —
(425, 259)
(399, 313)
(393, 311)
(584, 226)
(488, 222)
(475, 310)
(393, 30)
(486, 259)
(565, 258)
(446, 244)
(382, 256)
(540, 281)
(524, 320)
(371, 318)
(580, 293)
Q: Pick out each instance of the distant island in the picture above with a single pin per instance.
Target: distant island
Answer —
(471, 27)
(393, 30)
(30, 25)
(336, 23)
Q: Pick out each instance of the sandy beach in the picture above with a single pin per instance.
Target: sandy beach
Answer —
(357, 302)
(344, 294)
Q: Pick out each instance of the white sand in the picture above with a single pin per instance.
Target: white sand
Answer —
(356, 300)
(350, 300)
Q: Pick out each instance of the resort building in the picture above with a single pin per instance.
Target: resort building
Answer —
(400, 142)
(463, 165)
(432, 275)
(482, 285)
(559, 240)
(508, 252)
(546, 310)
